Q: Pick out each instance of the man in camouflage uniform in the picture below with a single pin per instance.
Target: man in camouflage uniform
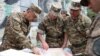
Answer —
(53, 27)
(76, 26)
(93, 45)
(17, 28)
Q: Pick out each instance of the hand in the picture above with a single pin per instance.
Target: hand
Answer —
(63, 46)
(45, 45)
(36, 50)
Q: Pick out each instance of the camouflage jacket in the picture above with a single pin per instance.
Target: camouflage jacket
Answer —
(15, 35)
(54, 30)
(94, 34)
(76, 31)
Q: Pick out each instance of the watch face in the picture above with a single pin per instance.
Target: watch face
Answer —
(96, 46)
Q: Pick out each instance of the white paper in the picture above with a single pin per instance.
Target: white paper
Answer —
(12, 52)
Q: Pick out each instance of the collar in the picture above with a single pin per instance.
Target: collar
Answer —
(78, 18)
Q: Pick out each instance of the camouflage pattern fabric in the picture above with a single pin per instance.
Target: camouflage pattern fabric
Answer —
(76, 31)
(94, 34)
(54, 30)
(15, 35)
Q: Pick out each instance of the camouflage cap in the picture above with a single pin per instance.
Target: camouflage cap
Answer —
(84, 2)
(56, 7)
(35, 8)
(75, 6)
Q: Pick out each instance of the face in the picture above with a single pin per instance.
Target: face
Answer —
(63, 14)
(74, 13)
(31, 16)
(52, 15)
(94, 5)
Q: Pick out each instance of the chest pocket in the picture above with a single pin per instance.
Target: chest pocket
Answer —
(51, 31)
(54, 30)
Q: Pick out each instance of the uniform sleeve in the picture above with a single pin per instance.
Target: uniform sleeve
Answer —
(15, 26)
(87, 22)
(41, 28)
(66, 25)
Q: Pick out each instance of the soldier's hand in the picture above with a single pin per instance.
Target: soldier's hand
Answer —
(45, 45)
(36, 50)
(63, 46)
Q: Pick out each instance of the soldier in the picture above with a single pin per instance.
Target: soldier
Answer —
(53, 27)
(17, 28)
(93, 45)
(76, 26)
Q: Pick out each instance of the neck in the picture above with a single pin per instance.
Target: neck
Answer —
(74, 19)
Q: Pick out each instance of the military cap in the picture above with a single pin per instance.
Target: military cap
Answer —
(35, 8)
(84, 2)
(56, 7)
(75, 6)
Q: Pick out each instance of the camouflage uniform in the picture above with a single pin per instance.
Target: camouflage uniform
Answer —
(16, 30)
(54, 30)
(76, 31)
(94, 34)
(93, 45)
(15, 33)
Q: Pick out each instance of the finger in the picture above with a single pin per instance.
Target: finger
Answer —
(47, 48)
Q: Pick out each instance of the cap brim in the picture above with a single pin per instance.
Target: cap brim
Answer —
(84, 2)
(75, 8)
